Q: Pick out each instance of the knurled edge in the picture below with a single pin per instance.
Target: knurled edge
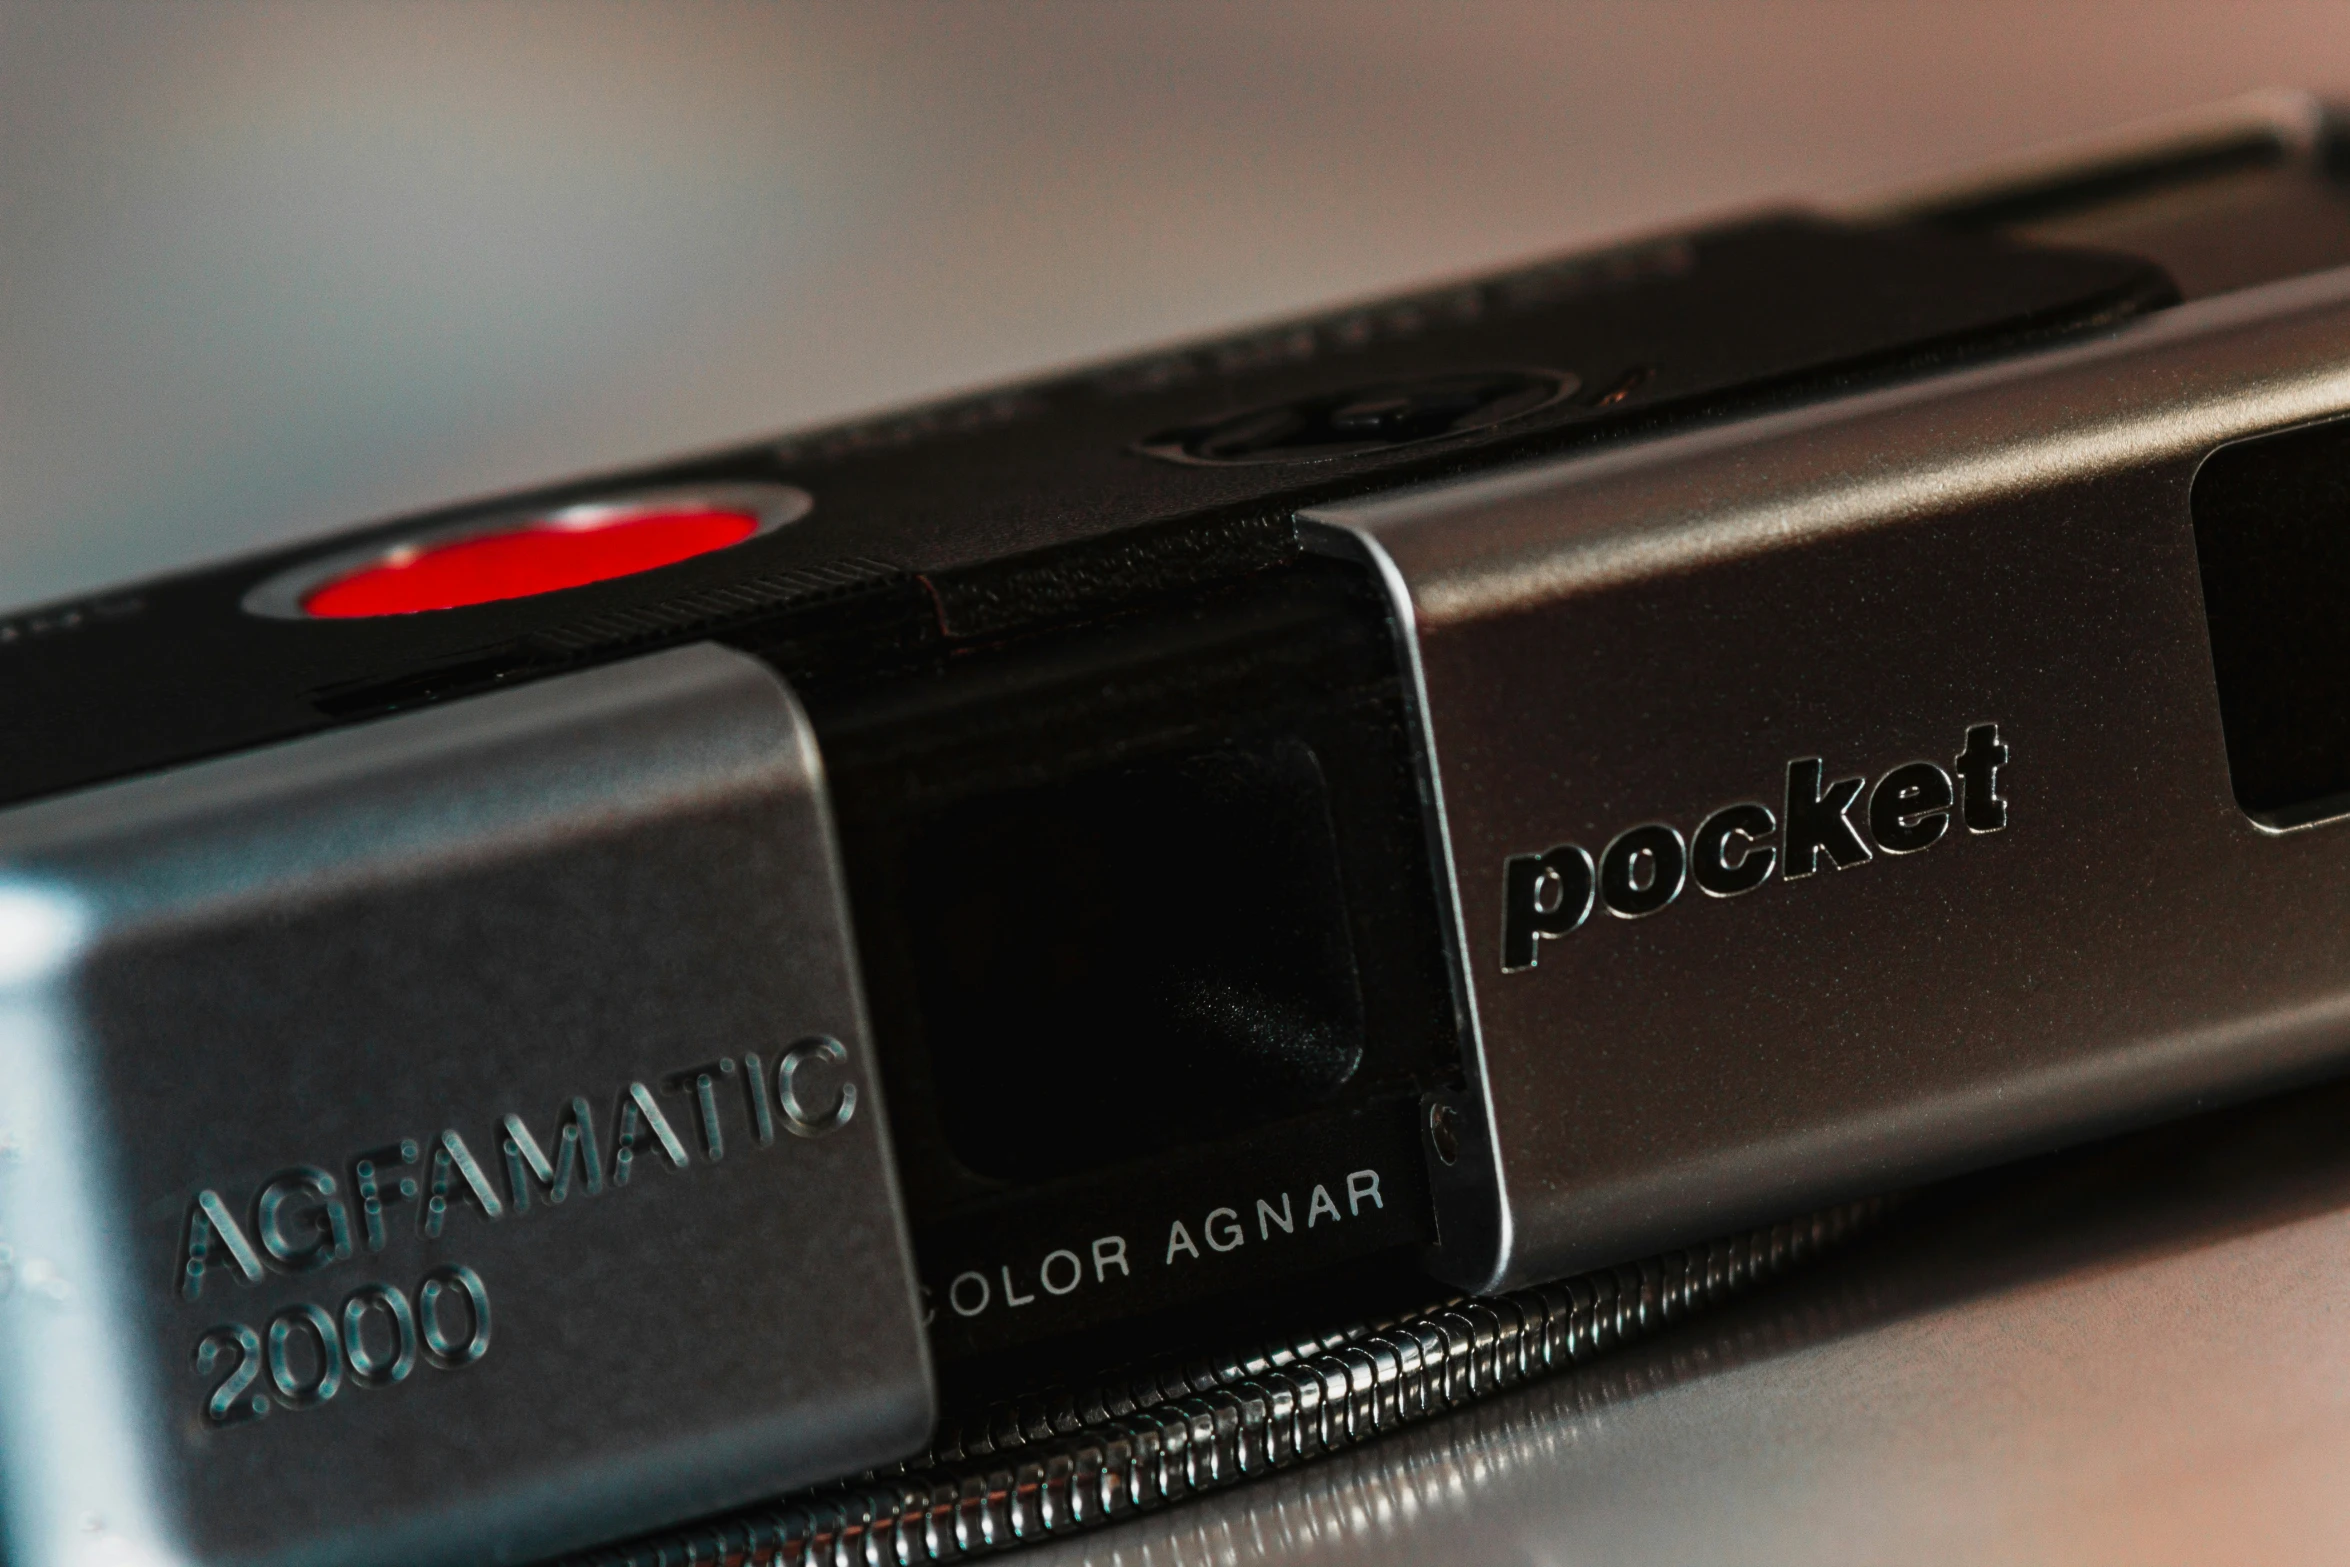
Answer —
(1200, 1431)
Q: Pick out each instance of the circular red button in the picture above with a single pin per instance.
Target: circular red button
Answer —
(537, 555)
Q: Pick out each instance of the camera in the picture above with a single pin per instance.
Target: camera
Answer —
(1438, 833)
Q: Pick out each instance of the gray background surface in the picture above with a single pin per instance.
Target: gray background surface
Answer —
(2146, 1366)
(266, 270)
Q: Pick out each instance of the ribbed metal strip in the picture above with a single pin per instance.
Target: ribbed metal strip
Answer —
(1061, 1463)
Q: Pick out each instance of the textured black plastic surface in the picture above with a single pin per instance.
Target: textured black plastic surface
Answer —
(966, 519)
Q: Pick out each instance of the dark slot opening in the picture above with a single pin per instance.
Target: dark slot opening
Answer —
(1149, 929)
(2272, 534)
(1147, 955)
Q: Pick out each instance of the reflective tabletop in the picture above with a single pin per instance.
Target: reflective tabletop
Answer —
(2138, 1353)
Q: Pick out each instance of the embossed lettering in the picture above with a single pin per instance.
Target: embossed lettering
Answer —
(227, 1405)
(369, 1369)
(804, 1120)
(1909, 809)
(301, 1221)
(1544, 896)
(298, 1220)
(575, 1152)
(762, 1103)
(368, 1184)
(1978, 765)
(211, 1225)
(1727, 857)
(443, 1348)
(1817, 820)
(703, 1082)
(306, 1354)
(1642, 870)
(326, 1353)
(455, 1173)
(638, 1126)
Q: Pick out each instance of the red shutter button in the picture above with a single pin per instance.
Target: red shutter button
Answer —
(520, 555)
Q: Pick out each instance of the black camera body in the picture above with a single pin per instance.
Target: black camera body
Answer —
(581, 1011)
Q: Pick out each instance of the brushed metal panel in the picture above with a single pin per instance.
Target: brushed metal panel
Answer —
(1650, 633)
(299, 956)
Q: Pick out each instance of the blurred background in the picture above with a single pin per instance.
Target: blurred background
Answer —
(268, 270)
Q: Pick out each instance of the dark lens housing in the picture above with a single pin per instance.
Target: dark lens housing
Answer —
(1146, 911)
(1149, 955)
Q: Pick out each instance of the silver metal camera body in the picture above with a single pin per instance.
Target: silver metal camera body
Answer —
(578, 1013)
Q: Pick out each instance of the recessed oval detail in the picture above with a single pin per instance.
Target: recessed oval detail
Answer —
(525, 553)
